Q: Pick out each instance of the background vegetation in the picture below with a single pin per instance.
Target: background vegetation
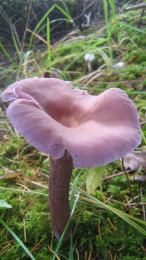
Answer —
(53, 39)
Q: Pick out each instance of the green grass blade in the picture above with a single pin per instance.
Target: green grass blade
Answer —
(66, 227)
(57, 20)
(126, 217)
(15, 43)
(67, 10)
(71, 257)
(113, 13)
(133, 28)
(105, 6)
(64, 12)
(25, 59)
(24, 191)
(105, 205)
(8, 70)
(143, 136)
(114, 20)
(49, 49)
(6, 53)
(74, 185)
(17, 239)
(40, 23)
(129, 221)
(45, 16)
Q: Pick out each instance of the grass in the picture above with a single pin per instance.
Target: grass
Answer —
(49, 49)
(108, 224)
(17, 239)
(38, 26)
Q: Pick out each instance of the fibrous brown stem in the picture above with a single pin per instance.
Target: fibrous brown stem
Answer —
(59, 180)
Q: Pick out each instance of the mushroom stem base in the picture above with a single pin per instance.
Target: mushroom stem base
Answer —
(59, 180)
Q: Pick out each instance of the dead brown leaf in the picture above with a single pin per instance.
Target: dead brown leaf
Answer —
(135, 160)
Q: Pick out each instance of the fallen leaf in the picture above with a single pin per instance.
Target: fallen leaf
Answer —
(138, 177)
(4, 204)
(10, 175)
(135, 160)
(94, 178)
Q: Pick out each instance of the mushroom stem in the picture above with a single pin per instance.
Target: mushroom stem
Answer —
(59, 180)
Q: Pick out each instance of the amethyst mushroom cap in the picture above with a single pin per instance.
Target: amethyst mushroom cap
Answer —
(75, 128)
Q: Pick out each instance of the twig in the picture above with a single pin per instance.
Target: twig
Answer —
(37, 183)
(23, 186)
(38, 36)
(142, 14)
(99, 231)
(143, 248)
(114, 175)
(43, 174)
(24, 191)
(106, 82)
(137, 204)
(135, 7)
(8, 242)
(144, 204)
(90, 253)
(53, 252)
(24, 35)
(130, 205)
(127, 177)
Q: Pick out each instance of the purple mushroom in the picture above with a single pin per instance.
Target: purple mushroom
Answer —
(76, 129)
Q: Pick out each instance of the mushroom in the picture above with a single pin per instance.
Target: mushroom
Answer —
(89, 58)
(119, 65)
(75, 128)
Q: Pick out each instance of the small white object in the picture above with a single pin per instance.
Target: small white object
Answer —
(81, 91)
(119, 65)
(89, 57)
(88, 18)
